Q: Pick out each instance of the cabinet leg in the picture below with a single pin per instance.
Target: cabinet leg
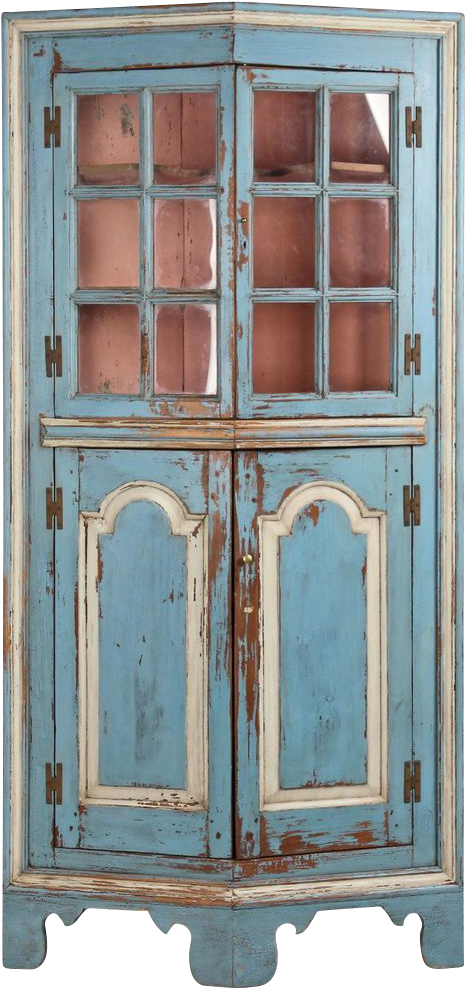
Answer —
(229, 948)
(24, 936)
(441, 937)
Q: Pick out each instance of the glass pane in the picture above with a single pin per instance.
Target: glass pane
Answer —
(185, 243)
(109, 349)
(108, 139)
(360, 243)
(283, 347)
(284, 136)
(284, 243)
(185, 349)
(108, 243)
(360, 346)
(360, 137)
(184, 134)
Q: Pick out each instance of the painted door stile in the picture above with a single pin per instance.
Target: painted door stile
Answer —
(119, 633)
(275, 626)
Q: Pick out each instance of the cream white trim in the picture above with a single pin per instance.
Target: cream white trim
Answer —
(93, 524)
(224, 894)
(446, 31)
(272, 528)
(18, 438)
(255, 18)
(447, 434)
(145, 433)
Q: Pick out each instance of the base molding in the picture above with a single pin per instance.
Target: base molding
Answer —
(233, 946)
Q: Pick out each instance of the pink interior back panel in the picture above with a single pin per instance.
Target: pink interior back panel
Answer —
(283, 347)
(184, 136)
(108, 139)
(109, 349)
(185, 349)
(284, 136)
(108, 243)
(185, 243)
(360, 346)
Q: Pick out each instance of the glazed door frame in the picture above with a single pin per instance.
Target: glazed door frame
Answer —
(400, 192)
(68, 194)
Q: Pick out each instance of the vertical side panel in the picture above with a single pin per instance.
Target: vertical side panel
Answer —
(40, 323)
(426, 310)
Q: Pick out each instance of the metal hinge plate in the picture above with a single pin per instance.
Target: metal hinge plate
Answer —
(54, 783)
(412, 354)
(54, 507)
(52, 127)
(412, 781)
(412, 505)
(413, 127)
(53, 356)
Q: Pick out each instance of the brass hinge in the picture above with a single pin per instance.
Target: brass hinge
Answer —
(413, 127)
(412, 505)
(412, 781)
(52, 127)
(54, 507)
(53, 356)
(54, 783)
(412, 354)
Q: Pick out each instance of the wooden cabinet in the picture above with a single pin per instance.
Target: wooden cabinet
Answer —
(233, 591)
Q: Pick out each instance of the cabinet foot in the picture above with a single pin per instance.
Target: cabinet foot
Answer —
(24, 936)
(441, 937)
(233, 948)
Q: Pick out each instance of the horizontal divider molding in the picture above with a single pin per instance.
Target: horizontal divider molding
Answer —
(143, 433)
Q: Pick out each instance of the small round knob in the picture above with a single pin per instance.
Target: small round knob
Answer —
(247, 559)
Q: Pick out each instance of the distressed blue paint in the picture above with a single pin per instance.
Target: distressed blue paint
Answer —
(234, 948)
(377, 477)
(40, 471)
(243, 950)
(142, 651)
(267, 870)
(67, 87)
(323, 673)
(399, 399)
(192, 46)
(86, 478)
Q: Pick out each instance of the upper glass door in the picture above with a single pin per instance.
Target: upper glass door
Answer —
(325, 242)
(143, 267)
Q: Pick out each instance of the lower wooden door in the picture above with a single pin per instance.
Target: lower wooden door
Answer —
(142, 653)
(323, 654)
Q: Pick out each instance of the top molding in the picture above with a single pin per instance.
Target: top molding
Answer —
(232, 14)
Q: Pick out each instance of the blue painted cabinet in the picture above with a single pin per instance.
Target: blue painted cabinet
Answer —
(233, 588)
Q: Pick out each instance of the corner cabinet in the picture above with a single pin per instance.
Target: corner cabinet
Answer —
(233, 594)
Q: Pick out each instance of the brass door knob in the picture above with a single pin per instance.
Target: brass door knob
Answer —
(247, 559)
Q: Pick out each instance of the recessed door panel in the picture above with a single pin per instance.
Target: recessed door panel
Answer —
(141, 749)
(135, 728)
(323, 651)
(329, 669)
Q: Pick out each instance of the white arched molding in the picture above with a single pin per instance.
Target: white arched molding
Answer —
(272, 528)
(194, 528)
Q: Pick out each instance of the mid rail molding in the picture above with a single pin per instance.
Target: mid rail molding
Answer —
(139, 433)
